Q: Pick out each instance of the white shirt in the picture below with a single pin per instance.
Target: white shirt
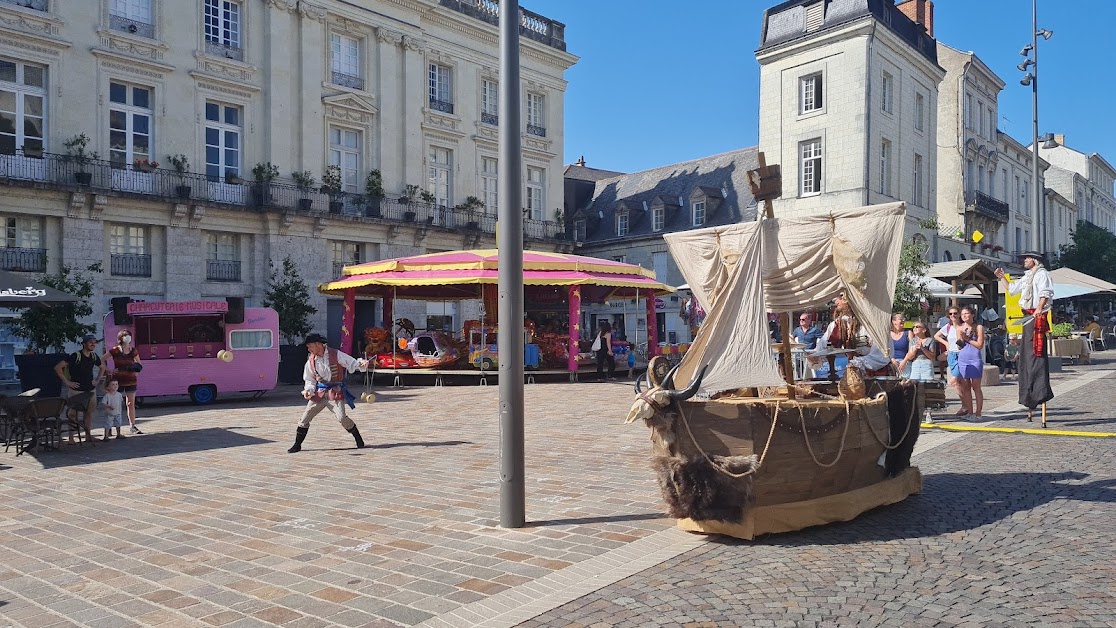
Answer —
(321, 365)
(1032, 286)
(112, 403)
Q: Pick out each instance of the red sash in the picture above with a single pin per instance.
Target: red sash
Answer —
(1038, 339)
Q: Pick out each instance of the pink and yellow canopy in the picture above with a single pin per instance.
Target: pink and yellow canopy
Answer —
(459, 274)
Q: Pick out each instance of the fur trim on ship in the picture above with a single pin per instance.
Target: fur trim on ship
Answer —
(693, 488)
(903, 419)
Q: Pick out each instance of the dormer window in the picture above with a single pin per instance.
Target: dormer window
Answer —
(622, 224)
(697, 212)
(579, 230)
(658, 218)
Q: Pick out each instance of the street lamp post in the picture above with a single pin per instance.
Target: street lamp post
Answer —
(1031, 78)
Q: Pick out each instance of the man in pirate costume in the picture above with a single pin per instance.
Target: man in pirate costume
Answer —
(1036, 293)
(324, 375)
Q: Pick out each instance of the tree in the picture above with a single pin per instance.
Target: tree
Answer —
(289, 296)
(53, 327)
(1092, 251)
(910, 287)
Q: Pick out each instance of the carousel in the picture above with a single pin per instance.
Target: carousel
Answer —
(558, 280)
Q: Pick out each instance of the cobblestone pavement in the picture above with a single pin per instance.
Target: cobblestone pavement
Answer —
(205, 520)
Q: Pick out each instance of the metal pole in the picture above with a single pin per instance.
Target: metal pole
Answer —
(1039, 208)
(510, 234)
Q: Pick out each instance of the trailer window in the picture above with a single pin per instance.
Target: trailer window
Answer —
(250, 339)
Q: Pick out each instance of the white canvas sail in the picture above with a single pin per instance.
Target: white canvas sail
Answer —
(739, 272)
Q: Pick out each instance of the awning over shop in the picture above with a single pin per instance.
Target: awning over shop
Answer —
(1069, 283)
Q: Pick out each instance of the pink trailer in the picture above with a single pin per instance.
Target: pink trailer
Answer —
(181, 343)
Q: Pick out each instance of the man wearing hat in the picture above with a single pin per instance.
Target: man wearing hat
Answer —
(85, 369)
(1036, 294)
(324, 375)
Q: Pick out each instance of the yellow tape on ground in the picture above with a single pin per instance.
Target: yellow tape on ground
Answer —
(1016, 430)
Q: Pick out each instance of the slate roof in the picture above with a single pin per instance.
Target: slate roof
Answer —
(585, 173)
(786, 22)
(725, 174)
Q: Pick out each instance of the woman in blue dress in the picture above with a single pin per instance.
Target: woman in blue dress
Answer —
(970, 361)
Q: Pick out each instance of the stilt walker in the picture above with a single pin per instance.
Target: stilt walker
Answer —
(1036, 294)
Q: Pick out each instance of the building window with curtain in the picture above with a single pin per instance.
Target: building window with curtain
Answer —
(344, 55)
(490, 102)
(536, 193)
(132, 16)
(22, 107)
(222, 257)
(810, 167)
(489, 184)
(345, 153)
(441, 88)
(130, 133)
(222, 140)
(129, 255)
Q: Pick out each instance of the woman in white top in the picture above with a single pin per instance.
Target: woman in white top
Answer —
(947, 336)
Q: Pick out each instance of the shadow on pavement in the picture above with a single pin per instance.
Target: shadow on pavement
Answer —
(950, 502)
(433, 443)
(590, 520)
(144, 446)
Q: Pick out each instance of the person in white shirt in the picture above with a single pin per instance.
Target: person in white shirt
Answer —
(1036, 294)
(324, 376)
(112, 404)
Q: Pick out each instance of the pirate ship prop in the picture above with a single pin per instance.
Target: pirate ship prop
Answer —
(744, 450)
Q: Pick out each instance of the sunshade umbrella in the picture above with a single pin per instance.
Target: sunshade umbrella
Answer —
(19, 291)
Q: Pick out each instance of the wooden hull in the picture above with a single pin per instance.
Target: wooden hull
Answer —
(823, 462)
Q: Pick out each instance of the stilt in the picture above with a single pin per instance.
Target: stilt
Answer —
(1044, 415)
(1030, 415)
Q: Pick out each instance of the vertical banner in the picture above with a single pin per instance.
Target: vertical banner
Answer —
(652, 327)
(347, 314)
(389, 312)
(575, 327)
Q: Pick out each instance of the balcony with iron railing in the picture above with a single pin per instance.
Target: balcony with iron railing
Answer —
(227, 51)
(987, 206)
(531, 25)
(36, 5)
(222, 270)
(62, 172)
(130, 264)
(444, 106)
(346, 80)
(536, 130)
(135, 27)
(23, 259)
(490, 118)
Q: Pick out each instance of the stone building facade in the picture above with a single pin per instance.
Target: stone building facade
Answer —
(404, 88)
(1085, 178)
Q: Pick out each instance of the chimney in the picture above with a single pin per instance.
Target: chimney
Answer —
(921, 12)
(580, 162)
(1060, 139)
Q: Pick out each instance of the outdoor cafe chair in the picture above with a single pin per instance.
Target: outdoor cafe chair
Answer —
(10, 407)
(38, 424)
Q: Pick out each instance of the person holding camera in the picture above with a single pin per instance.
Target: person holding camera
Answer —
(126, 364)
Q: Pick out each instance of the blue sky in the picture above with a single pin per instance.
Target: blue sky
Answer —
(662, 82)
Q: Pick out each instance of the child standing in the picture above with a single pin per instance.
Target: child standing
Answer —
(112, 403)
(631, 361)
(1011, 356)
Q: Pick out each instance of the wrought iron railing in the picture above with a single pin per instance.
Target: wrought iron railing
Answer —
(531, 25)
(62, 172)
(986, 205)
(25, 260)
(441, 105)
(490, 118)
(130, 264)
(346, 80)
(143, 29)
(536, 130)
(222, 270)
(227, 51)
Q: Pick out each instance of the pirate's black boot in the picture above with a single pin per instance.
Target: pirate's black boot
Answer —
(356, 436)
(300, 435)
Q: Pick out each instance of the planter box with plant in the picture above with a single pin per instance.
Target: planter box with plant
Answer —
(373, 193)
(331, 185)
(560, 224)
(469, 210)
(263, 174)
(182, 167)
(305, 182)
(289, 296)
(49, 329)
(76, 154)
(144, 165)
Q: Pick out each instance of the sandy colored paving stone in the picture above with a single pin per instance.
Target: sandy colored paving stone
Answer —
(333, 594)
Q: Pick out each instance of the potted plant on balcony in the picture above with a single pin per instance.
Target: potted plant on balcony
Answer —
(289, 296)
(263, 174)
(76, 153)
(35, 152)
(409, 194)
(469, 209)
(428, 197)
(305, 182)
(331, 184)
(374, 193)
(144, 165)
(49, 329)
(182, 167)
(560, 221)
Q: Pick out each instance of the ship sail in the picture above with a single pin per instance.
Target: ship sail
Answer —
(739, 272)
